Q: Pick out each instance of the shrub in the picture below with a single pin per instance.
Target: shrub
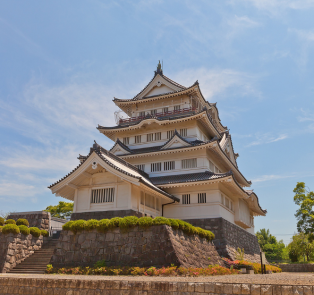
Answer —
(10, 221)
(22, 221)
(24, 230)
(114, 222)
(1, 221)
(35, 232)
(78, 225)
(100, 263)
(10, 228)
(103, 225)
(91, 224)
(161, 221)
(44, 233)
(1, 228)
(174, 223)
(67, 226)
(128, 221)
(145, 222)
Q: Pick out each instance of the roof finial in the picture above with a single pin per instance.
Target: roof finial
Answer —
(159, 69)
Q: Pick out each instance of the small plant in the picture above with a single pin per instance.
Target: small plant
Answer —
(10, 221)
(145, 222)
(91, 224)
(1, 221)
(10, 228)
(114, 222)
(44, 233)
(128, 221)
(78, 225)
(239, 254)
(100, 263)
(35, 232)
(174, 223)
(49, 268)
(103, 225)
(24, 230)
(1, 228)
(161, 221)
(22, 221)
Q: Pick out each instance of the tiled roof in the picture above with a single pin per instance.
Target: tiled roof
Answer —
(191, 177)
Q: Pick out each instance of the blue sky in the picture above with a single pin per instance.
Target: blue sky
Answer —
(62, 62)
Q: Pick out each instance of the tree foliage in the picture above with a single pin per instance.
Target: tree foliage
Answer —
(305, 215)
(62, 210)
(301, 245)
(273, 249)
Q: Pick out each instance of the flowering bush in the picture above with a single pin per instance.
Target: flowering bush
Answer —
(256, 266)
(130, 221)
(211, 270)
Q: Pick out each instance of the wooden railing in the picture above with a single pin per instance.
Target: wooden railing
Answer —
(158, 115)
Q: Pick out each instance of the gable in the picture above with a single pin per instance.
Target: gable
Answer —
(119, 150)
(157, 90)
(175, 142)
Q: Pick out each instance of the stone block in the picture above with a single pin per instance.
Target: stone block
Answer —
(227, 288)
(236, 289)
(245, 289)
(255, 289)
(191, 287)
(297, 290)
(308, 290)
(286, 290)
(199, 287)
(183, 287)
(266, 290)
(209, 287)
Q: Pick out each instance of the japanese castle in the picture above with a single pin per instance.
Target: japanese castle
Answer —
(171, 157)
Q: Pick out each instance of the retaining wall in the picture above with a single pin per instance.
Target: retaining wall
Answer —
(297, 267)
(15, 248)
(105, 214)
(27, 286)
(156, 246)
(40, 219)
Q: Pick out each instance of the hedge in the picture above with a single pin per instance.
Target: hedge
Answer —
(130, 221)
(10, 221)
(24, 230)
(10, 228)
(22, 221)
(35, 231)
(1, 221)
(44, 233)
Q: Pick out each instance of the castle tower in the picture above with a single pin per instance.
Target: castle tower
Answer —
(172, 157)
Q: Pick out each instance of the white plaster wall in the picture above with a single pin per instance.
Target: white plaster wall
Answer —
(159, 90)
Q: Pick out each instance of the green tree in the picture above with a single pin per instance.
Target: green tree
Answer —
(264, 237)
(62, 210)
(301, 245)
(305, 214)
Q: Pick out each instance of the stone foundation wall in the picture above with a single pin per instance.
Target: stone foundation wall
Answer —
(15, 248)
(297, 267)
(53, 285)
(156, 246)
(228, 237)
(40, 219)
(104, 214)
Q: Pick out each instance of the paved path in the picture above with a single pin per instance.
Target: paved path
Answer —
(271, 279)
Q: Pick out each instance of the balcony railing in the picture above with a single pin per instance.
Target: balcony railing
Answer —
(157, 115)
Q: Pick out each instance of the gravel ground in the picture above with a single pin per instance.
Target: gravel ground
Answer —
(273, 279)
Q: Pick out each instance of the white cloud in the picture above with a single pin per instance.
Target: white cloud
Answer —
(267, 138)
(19, 190)
(264, 178)
(243, 22)
(214, 82)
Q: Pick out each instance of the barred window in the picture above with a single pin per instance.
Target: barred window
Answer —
(103, 195)
(158, 136)
(141, 114)
(150, 137)
(189, 163)
(138, 139)
(177, 108)
(153, 112)
(165, 110)
(140, 167)
(169, 165)
(126, 140)
(155, 167)
(201, 197)
(186, 199)
(170, 133)
(184, 132)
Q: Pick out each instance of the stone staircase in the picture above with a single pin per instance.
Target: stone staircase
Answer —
(37, 262)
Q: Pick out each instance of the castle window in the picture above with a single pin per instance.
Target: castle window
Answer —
(170, 134)
(103, 195)
(186, 199)
(153, 112)
(140, 167)
(177, 108)
(169, 165)
(184, 132)
(189, 163)
(150, 137)
(126, 140)
(155, 167)
(165, 110)
(138, 139)
(158, 136)
(202, 198)
(141, 114)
